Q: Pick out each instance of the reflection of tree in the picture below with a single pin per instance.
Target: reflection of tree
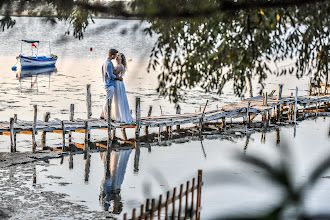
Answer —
(115, 163)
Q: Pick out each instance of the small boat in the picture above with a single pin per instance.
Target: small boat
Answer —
(36, 61)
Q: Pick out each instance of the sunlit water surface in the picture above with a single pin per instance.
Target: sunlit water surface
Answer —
(230, 187)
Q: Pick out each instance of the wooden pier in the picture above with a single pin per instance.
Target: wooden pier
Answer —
(272, 108)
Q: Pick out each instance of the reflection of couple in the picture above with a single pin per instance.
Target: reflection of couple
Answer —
(115, 88)
(115, 167)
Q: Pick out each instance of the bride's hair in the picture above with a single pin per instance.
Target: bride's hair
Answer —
(124, 61)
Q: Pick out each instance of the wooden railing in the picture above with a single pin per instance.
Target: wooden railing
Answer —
(172, 207)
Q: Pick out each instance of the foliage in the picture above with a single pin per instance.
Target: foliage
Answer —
(209, 43)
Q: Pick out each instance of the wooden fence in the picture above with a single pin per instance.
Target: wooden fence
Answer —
(172, 207)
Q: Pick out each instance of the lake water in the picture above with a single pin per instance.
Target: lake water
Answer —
(230, 187)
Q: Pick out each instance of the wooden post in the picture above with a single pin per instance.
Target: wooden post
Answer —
(89, 101)
(63, 135)
(141, 212)
(295, 105)
(71, 119)
(173, 203)
(279, 93)
(187, 200)
(133, 213)
(265, 98)
(87, 167)
(123, 131)
(159, 134)
(109, 124)
(199, 193)
(34, 144)
(43, 133)
(202, 117)
(152, 209)
(248, 113)
(166, 204)
(180, 201)
(86, 151)
(277, 136)
(159, 206)
(147, 205)
(161, 110)
(70, 160)
(114, 134)
(178, 112)
(192, 198)
(138, 117)
(170, 132)
(12, 138)
(125, 216)
(310, 87)
(146, 128)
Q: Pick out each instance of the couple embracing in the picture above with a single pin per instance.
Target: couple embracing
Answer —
(113, 84)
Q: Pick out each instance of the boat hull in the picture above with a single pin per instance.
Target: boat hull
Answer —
(32, 62)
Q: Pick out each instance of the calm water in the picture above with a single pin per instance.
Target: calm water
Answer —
(164, 167)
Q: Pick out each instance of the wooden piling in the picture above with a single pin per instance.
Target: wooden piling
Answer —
(146, 128)
(152, 209)
(89, 101)
(133, 213)
(87, 167)
(178, 112)
(199, 193)
(141, 212)
(123, 131)
(248, 113)
(63, 135)
(192, 198)
(125, 216)
(34, 143)
(159, 206)
(147, 207)
(279, 93)
(43, 133)
(12, 138)
(86, 143)
(166, 204)
(71, 119)
(278, 139)
(187, 200)
(295, 105)
(173, 203)
(138, 117)
(180, 201)
(265, 99)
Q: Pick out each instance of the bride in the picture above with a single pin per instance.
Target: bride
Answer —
(120, 110)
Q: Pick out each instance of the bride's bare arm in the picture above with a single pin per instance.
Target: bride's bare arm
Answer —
(118, 70)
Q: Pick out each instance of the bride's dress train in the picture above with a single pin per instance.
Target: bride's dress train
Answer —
(119, 107)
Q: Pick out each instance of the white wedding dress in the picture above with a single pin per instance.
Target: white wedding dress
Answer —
(119, 108)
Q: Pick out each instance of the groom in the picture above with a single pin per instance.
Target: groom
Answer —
(108, 79)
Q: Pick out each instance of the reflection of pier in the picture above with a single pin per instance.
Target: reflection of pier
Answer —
(274, 110)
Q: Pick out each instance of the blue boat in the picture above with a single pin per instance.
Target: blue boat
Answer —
(36, 61)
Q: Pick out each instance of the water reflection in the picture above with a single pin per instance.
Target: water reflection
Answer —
(115, 163)
(32, 75)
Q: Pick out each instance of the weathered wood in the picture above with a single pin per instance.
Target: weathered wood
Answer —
(43, 134)
(295, 106)
(152, 209)
(34, 144)
(173, 203)
(199, 194)
(159, 207)
(265, 99)
(138, 117)
(141, 212)
(89, 101)
(187, 200)
(86, 143)
(63, 136)
(192, 198)
(133, 213)
(87, 167)
(178, 112)
(146, 128)
(279, 93)
(166, 204)
(180, 201)
(12, 138)
(123, 131)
